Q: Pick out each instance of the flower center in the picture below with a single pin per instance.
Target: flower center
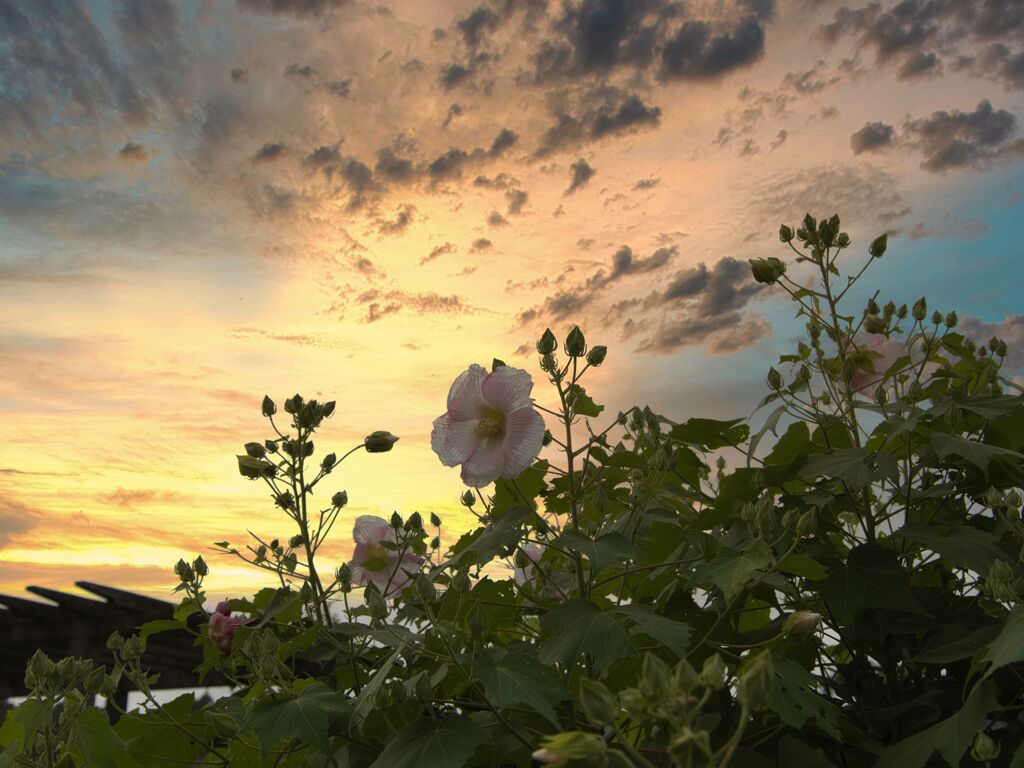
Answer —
(491, 423)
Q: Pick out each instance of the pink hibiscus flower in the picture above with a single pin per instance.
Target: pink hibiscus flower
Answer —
(223, 625)
(373, 562)
(491, 427)
(524, 573)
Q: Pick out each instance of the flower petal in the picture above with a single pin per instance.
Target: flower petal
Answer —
(524, 435)
(370, 529)
(465, 397)
(453, 441)
(508, 389)
(485, 465)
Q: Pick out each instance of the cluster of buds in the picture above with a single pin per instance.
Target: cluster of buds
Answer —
(1003, 583)
(260, 649)
(45, 677)
(190, 577)
(575, 347)
(756, 686)
(305, 415)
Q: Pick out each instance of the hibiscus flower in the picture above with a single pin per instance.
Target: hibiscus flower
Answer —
(373, 562)
(491, 427)
(222, 627)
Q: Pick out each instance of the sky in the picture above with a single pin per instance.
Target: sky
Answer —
(206, 201)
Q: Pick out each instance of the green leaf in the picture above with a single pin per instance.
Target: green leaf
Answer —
(990, 407)
(163, 744)
(797, 753)
(1008, 648)
(521, 490)
(730, 570)
(160, 625)
(25, 721)
(802, 565)
(961, 648)
(854, 466)
(434, 743)
(796, 702)
(96, 743)
(364, 702)
(582, 404)
(977, 453)
(674, 635)
(484, 544)
(580, 626)
(254, 469)
(871, 578)
(711, 434)
(951, 737)
(958, 545)
(303, 717)
(610, 549)
(516, 678)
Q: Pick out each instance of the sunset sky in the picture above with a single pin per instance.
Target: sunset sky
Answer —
(204, 202)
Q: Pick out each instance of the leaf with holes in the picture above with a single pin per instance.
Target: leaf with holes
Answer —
(796, 701)
(434, 743)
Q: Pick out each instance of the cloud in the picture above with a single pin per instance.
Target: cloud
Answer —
(697, 52)
(780, 139)
(381, 304)
(299, 71)
(495, 219)
(134, 153)
(340, 88)
(480, 245)
(239, 75)
(872, 138)
(956, 139)
(308, 9)
(600, 113)
(131, 498)
(477, 25)
(650, 183)
(580, 175)
(437, 251)
(505, 139)
(516, 200)
(270, 152)
(400, 223)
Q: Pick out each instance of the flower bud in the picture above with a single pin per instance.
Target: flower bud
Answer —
(712, 674)
(951, 320)
(774, 379)
(375, 602)
(329, 408)
(801, 623)
(655, 675)
(878, 246)
(477, 620)
(200, 567)
(184, 571)
(461, 582)
(785, 234)
(296, 541)
(985, 748)
(686, 676)
(435, 520)
(875, 324)
(936, 317)
(223, 725)
(425, 589)
(807, 523)
(38, 670)
(343, 574)
(881, 395)
(379, 442)
(415, 522)
(340, 499)
(255, 450)
(329, 461)
(547, 344)
(134, 647)
(115, 642)
(596, 356)
(757, 683)
(575, 343)
(920, 310)
(597, 702)
(396, 521)
(586, 750)
(268, 407)
(691, 748)
(468, 499)
(767, 271)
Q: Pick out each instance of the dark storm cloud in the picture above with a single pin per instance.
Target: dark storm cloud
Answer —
(696, 52)
(516, 200)
(603, 112)
(134, 153)
(907, 35)
(580, 175)
(297, 8)
(270, 152)
(958, 139)
(872, 137)
(505, 139)
(477, 24)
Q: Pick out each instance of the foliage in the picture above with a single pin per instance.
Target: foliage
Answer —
(674, 594)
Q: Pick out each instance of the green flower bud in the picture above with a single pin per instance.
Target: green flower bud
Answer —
(547, 344)
(328, 463)
(184, 571)
(396, 521)
(596, 356)
(951, 320)
(575, 343)
(255, 450)
(878, 246)
(375, 602)
(200, 567)
(801, 623)
(586, 750)
(936, 317)
(296, 541)
(461, 582)
(691, 749)
(223, 725)
(920, 310)
(415, 522)
(343, 574)
(268, 407)
(115, 642)
(767, 271)
(774, 379)
(379, 442)
(785, 234)
(133, 648)
(655, 675)
(435, 520)
(686, 676)
(712, 674)
(477, 621)
(329, 409)
(468, 499)
(340, 499)
(39, 670)
(807, 523)
(985, 748)
(881, 395)
(757, 682)
(875, 324)
(902, 311)
(597, 702)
